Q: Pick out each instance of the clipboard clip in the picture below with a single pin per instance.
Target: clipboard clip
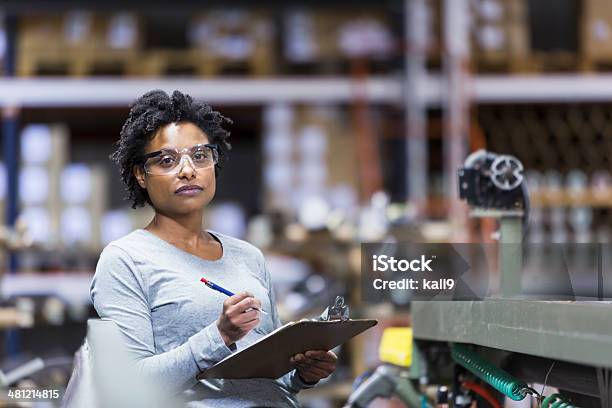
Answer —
(336, 311)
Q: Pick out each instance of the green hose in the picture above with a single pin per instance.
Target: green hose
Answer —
(496, 377)
(556, 401)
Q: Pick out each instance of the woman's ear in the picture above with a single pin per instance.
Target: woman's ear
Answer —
(139, 174)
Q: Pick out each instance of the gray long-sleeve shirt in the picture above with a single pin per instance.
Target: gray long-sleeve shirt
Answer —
(151, 289)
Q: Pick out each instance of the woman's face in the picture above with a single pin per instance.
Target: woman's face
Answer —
(162, 189)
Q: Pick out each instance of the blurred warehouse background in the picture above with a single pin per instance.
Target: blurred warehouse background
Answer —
(350, 121)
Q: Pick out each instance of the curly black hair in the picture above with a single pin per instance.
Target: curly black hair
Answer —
(148, 114)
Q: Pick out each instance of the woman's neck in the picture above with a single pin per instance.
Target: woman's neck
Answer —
(186, 230)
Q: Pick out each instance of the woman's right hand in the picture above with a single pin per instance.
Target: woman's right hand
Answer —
(235, 322)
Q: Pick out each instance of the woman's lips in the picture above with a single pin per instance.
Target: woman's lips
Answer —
(188, 191)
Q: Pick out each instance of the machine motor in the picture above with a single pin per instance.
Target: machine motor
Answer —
(491, 181)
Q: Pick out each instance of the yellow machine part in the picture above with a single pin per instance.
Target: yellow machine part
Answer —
(396, 346)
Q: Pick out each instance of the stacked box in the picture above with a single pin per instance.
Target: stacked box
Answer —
(76, 43)
(44, 152)
(597, 32)
(225, 37)
(335, 35)
(219, 40)
(116, 43)
(500, 34)
(309, 157)
(337, 153)
(51, 43)
(309, 197)
(278, 168)
(84, 201)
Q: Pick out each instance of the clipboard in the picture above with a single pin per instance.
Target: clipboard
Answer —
(269, 357)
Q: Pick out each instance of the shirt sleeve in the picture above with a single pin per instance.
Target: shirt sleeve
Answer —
(118, 293)
(291, 380)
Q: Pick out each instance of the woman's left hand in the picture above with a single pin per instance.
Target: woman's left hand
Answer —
(314, 365)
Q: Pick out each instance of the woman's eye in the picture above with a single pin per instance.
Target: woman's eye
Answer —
(198, 156)
(166, 160)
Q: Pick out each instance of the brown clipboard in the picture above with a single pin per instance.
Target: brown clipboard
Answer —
(269, 357)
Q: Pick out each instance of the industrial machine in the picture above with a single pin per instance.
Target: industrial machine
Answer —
(493, 181)
(563, 344)
(482, 352)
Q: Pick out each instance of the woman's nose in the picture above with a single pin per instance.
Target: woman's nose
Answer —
(186, 168)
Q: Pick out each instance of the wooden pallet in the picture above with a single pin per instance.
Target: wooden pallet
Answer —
(48, 45)
(154, 63)
(596, 36)
(195, 62)
(553, 62)
(77, 63)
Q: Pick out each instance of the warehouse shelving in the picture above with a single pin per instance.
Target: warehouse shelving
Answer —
(71, 287)
(587, 198)
(121, 92)
(51, 92)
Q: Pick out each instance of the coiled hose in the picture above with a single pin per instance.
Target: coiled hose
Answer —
(556, 401)
(494, 376)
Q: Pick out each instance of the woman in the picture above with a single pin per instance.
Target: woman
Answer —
(148, 282)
